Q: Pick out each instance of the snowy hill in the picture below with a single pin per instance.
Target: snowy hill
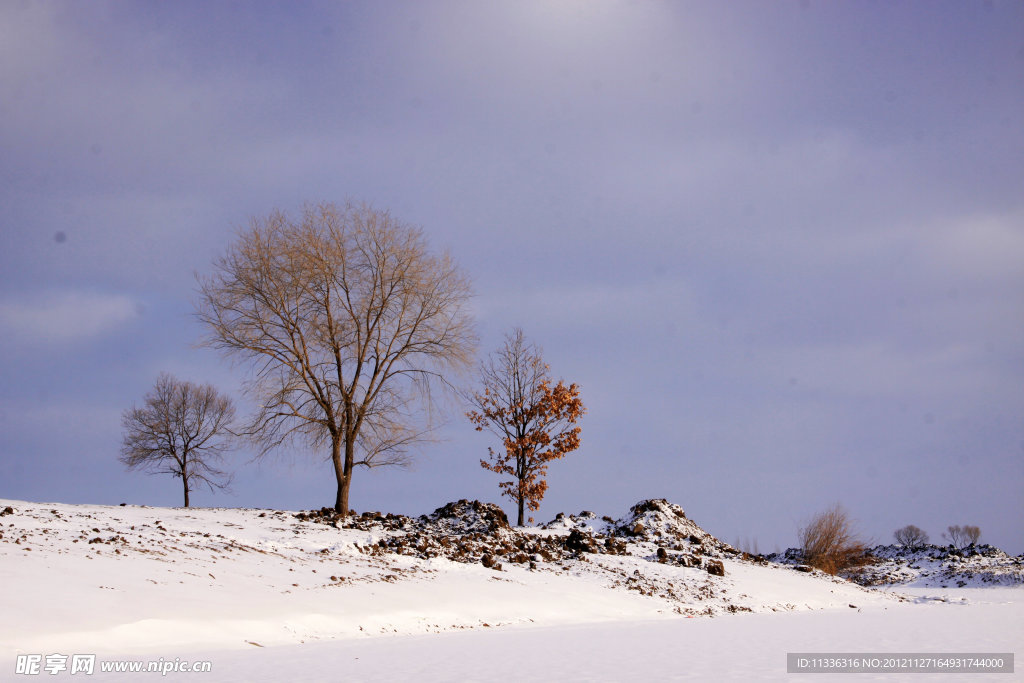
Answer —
(132, 575)
(941, 566)
(136, 580)
(931, 566)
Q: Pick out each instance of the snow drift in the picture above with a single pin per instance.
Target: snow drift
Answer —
(89, 578)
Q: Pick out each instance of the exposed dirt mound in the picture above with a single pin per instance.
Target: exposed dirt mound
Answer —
(454, 519)
(364, 522)
(467, 531)
(472, 531)
(676, 539)
(467, 517)
(666, 525)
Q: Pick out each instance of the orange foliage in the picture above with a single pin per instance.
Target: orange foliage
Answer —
(536, 421)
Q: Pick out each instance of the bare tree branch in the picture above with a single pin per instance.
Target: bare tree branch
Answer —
(347, 322)
(182, 429)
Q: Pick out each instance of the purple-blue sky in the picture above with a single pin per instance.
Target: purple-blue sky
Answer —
(779, 245)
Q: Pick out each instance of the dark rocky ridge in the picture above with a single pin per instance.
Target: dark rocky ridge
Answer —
(472, 531)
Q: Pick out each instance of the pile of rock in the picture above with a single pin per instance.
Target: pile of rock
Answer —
(472, 531)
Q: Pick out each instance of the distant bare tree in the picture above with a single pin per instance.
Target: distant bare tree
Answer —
(347, 321)
(911, 536)
(182, 429)
(830, 542)
(747, 546)
(962, 536)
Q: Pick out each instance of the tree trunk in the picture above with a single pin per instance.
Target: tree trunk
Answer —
(343, 478)
(184, 481)
(521, 475)
(341, 500)
(350, 457)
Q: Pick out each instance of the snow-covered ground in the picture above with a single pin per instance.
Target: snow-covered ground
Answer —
(271, 595)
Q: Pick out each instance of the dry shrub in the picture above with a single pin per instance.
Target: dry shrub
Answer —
(830, 542)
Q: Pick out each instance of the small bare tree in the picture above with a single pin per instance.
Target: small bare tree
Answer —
(830, 542)
(347, 321)
(183, 429)
(536, 421)
(962, 536)
(913, 537)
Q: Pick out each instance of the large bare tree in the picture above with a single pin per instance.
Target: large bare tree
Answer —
(182, 429)
(348, 322)
(535, 420)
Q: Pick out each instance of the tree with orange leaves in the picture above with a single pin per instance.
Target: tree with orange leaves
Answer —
(535, 420)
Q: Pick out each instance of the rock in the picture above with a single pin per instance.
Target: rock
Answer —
(465, 516)
(687, 561)
(803, 568)
(715, 568)
(613, 546)
(490, 562)
(581, 542)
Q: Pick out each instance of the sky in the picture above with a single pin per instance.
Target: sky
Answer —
(778, 245)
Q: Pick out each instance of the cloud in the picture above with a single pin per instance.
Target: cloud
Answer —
(985, 246)
(65, 316)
